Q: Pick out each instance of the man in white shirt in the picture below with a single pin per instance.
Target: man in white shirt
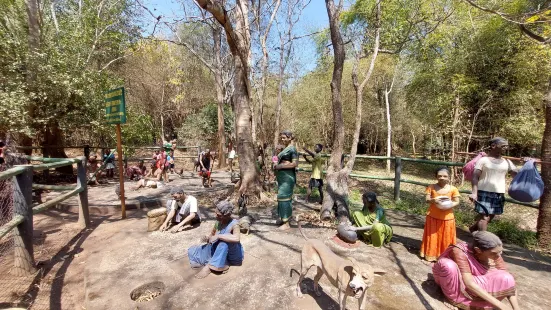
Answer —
(488, 184)
(182, 210)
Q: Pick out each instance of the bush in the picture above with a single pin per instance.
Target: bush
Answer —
(508, 231)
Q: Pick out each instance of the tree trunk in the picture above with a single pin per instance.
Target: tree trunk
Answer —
(245, 146)
(53, 136)
(279, 91)
(388, 130)
(360, 87)
(217, 35)
(239, 41)
(544, 215)
(34, 46)
(454, 125)
(413, 143)
(337, 181)
(253, 121)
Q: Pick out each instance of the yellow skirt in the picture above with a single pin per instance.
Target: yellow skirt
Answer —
(437, 237)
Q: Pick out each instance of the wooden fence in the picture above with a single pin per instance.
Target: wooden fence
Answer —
(398, 162)
(21, 223)
(86, 150)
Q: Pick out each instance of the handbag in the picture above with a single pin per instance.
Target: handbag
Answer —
(527, 185)
(468, 169)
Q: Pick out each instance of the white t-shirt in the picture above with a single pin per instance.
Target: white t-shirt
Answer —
(492, 178)
(187, 207)
(232, 154)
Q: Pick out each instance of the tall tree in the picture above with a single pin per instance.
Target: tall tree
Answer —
(264, 14)
(337, 186)
(238, 36)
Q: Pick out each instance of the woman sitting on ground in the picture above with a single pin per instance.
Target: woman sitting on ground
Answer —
(475, 276)
(371, 221)
(223, 247)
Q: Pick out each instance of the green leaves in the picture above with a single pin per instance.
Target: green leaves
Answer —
(60, 82)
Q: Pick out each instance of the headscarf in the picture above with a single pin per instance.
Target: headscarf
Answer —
(498, 141)
(486, 240)
(225, 207)
(177, 190)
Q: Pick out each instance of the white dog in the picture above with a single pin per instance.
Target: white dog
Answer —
(344, 273)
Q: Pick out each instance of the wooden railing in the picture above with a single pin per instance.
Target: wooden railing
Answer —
(21, 223)
(398, 161)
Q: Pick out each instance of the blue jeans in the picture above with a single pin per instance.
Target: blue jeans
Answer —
(218, 254)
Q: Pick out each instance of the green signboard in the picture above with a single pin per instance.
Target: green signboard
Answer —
(115, 108)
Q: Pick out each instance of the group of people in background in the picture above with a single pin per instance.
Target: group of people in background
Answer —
(94, 166)
(472, 276)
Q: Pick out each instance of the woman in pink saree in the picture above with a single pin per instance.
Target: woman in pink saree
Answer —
(474, 276)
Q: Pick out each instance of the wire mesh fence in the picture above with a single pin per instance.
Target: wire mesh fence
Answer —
(6, 215)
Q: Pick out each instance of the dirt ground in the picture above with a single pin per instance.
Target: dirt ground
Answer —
(99, 267)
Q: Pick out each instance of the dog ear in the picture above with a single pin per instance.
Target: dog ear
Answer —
(365, 275)
(379, 272)
(355, 266)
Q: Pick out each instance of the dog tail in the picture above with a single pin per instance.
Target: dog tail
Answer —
(297, 218)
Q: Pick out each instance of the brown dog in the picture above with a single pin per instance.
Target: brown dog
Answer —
(345, 274)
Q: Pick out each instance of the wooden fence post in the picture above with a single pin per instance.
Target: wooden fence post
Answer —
(397, 176)
(83, 213)
(23, 233)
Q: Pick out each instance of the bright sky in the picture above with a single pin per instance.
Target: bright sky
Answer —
(313, 19)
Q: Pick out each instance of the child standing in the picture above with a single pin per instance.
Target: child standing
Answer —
(316, 179)
(109, 160)
(439, 231)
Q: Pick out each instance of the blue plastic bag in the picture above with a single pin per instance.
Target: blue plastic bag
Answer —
(527, 186)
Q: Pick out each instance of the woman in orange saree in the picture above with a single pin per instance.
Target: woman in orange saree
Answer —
(439, 230)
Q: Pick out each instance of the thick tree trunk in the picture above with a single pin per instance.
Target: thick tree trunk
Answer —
(245, 146)
(217, 35)
(239, 41)
(336, 197)
(53, 136)
(544, 216)
(337, 182)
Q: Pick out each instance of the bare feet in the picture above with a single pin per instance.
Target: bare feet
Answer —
(203, 273)
(221, 269)
(285, 226)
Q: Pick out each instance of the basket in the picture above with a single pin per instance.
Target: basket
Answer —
(155, 218)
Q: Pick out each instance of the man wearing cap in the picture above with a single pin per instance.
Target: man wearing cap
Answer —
(182, 209)
(371, 221)
(488, 184)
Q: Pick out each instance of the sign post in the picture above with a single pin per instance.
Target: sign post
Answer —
(115, 113)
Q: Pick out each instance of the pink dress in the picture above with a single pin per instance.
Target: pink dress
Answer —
(447, 273)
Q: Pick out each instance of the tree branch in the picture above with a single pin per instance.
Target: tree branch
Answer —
(505, 16)
(533, 35)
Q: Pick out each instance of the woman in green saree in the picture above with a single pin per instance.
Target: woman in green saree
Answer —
(371, 222)
(286, 178)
